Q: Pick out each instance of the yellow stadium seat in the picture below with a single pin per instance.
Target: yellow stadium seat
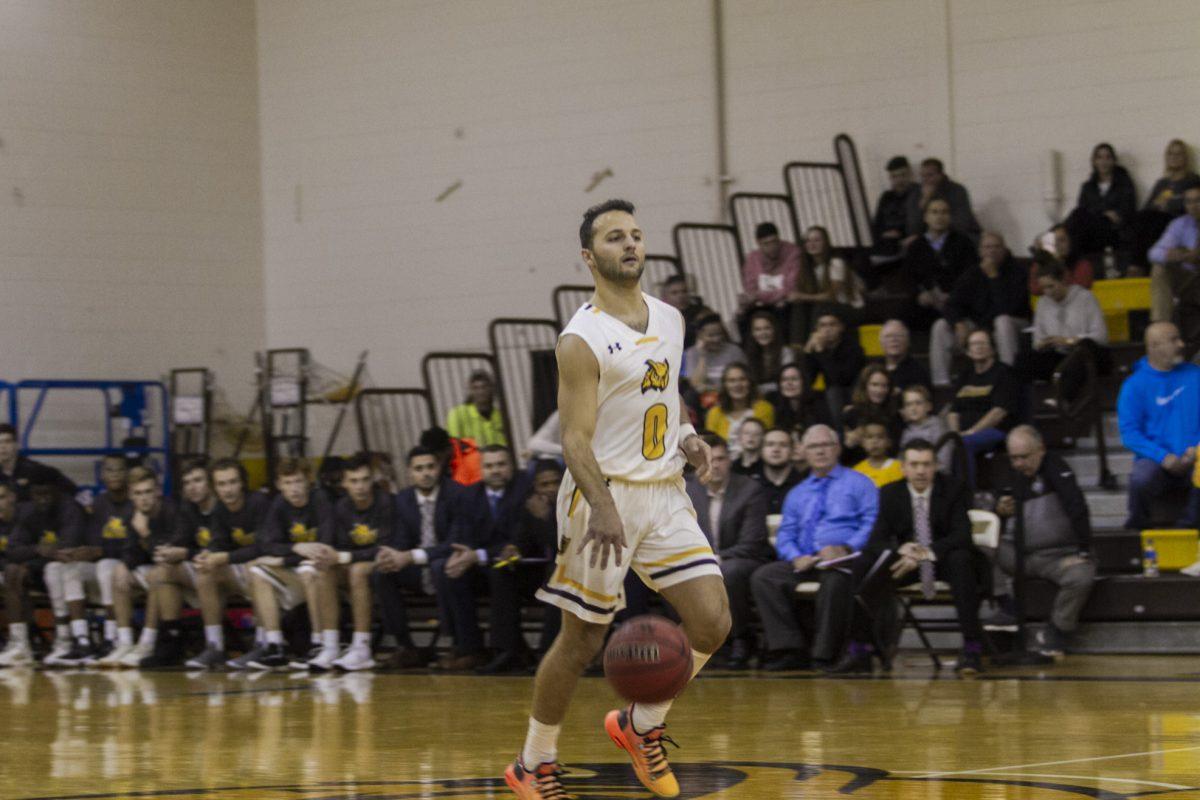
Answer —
(868, 337)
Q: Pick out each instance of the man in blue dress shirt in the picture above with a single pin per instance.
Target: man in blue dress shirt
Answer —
(1175, 272)
(828, 516)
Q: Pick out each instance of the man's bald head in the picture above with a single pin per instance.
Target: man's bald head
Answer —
(1026, 449)
(1164, 347)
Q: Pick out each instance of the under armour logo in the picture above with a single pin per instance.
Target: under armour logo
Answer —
(612, 348)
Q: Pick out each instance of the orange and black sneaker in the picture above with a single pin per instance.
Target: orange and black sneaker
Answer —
(543, 783)
(646, 751)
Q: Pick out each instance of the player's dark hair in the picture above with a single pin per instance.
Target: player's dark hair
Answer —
(495, 448)
(435, 439)
(934, 162)
(587, 228)
(896, 162)
(920, 445)
(714, 441)
(192, 464)
(416, 453)
(5, 428)
(230, 463)
(360, 460)
(546, 465)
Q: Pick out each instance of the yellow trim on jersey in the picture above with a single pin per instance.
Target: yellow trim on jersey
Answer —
(595, 310)
(579, 587)
(575, 496)
(669, 560)
(645, 340)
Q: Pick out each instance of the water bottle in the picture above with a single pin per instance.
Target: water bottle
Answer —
(1150, 560)
(1110, 263)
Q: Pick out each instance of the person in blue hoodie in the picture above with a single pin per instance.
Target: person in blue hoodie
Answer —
(1159, 414)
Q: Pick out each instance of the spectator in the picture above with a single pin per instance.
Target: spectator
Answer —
(434, 529)
(1068, 317)
(705, 361)
(1165, 202)
(834, 355)
(936, 185)
(827, 516)
(902, 367)
(878, 465)
(1058, 532)
(769, 276)
(478, 419)
(1103, 215)
(458, 459)
(17, 652)
(675, 292)
(934, 261)
(493, 505)
(1078, 271)
(795, 406)
(732, 512)
(48, 527)
(1175, 270)
(993, 296)
(916, 411)
(872, 401)
(18, 470)
(825, 281)
(107, 529)
(890, 223)
(766, 353)
(1159, 414)
(737, 402)
(923, 519)
(535, 539)
(985, 404)
(299, 566)
(750, 442)
(778, 474)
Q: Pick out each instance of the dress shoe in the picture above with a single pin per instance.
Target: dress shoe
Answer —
(739, 655)
(453, 663)
(785, 661)
(854, 662)
(407, 658)
(970, 662)
(505, 661)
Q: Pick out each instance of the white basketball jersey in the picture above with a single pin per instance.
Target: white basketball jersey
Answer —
(637, 417)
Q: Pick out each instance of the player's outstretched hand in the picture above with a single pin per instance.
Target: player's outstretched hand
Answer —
(605, 531)
(698, 454)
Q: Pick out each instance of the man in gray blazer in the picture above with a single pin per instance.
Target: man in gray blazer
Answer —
(732, 511)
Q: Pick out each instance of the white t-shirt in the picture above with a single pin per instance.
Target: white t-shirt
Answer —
(637, 415)
(851, 293)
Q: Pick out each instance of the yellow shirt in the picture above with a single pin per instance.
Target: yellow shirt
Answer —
(718, 422)
(465, 422)
(890, 472)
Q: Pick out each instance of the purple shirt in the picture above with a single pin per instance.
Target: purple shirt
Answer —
(1182, 232)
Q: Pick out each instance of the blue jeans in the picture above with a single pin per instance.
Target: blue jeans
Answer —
(983, 441)
(1147, 482)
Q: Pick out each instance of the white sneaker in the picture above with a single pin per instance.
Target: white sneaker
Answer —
(16, 653)
(1192, 570)
(58, 654)
(323, 661)
(116, 658)
(133, 658)
(355, 659)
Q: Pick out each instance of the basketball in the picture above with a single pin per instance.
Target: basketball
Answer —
(648, 659)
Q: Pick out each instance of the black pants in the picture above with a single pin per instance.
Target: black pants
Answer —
(390, 588)
(1040, 365)
(737, 573)
(774, 587)
(455, 600)
(963, 568)
(512, 588)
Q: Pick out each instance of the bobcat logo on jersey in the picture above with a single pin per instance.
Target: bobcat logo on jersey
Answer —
(658, 375)
(299, 533)
(203, 536)
(114, 529)
(49, 537)
(241, 538)
(362, 536)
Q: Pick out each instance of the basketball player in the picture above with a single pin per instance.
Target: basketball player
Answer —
(623, 504)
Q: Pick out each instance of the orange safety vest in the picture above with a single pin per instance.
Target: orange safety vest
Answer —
(466, 463)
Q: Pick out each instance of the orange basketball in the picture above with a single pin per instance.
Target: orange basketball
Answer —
(648, 659)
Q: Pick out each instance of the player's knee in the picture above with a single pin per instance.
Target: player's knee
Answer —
(581, 641)
(360, 573)
(712, 634)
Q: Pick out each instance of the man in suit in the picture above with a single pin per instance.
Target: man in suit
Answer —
(429, 522)
(732, 511)
(493, 505)
(923, 520)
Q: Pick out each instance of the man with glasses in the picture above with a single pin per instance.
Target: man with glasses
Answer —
(827, 517)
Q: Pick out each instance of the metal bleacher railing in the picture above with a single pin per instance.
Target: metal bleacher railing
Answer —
(748, 210)
(446, 376)
(711, 256)
(391, 420)
(526, 371)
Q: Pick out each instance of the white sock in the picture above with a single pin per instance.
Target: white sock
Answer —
(214, 636)
(18, 632)
(79, 628)
(541, 744)
(149, 637)
(274, 637)
(362, 640)
(315, 638)
(260, 636)
(647, 716)
(110, 630)
(62, 631)
(330, 639)
(124, 636)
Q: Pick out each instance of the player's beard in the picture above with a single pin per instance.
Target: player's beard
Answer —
(616, 272)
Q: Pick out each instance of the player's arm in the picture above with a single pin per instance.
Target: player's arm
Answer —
(578, 386)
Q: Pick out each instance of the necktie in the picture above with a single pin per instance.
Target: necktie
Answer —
(493, 501)
(924, 538)
(428, 535)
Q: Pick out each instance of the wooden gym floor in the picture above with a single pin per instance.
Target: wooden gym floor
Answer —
(1099, 727)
